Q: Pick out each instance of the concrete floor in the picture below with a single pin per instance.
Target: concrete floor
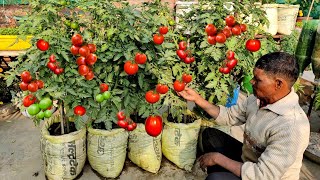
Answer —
(20, 157)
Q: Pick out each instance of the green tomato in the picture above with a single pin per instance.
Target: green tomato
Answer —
(40, 115)
(171, 22)
(33, 109)
(67, 23)
(74, 25)
(106, 95)
(99, 98)
(45, 103)
(47, 113)
(63, 3)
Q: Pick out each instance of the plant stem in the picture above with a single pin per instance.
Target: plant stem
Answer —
(62, 118)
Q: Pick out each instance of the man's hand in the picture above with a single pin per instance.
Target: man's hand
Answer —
(208, 159)
(189, 94)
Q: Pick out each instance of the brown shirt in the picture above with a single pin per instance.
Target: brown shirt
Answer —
(275, 137)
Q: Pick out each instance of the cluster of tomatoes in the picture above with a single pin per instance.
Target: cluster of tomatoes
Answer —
(87, 57)
(54, 66)
(104, 93)
(132, 68)
(231, 28)
(41, 110)
(179, 85)
(159, 37)
(184, 54)
(124, 122)
(42, 45)
(229, 63)
(28, 84)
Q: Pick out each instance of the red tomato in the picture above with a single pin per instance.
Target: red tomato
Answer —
(51, 66)
(23, 86)
(84, 51)
(162, 88)
(132, 126)
(153, 125)
(221, 38)
(33, 87)
(79, 110)
(163, 30)
(26, 76)
(59, 71)
(188, 60)
(186, 78)
(152, 97)
(130, 68)
(91, 59)
(178, 86)
(40, 84)
(182, 45)
(211, 30)
(42, 45)
(253, 45)
(232, 63)
(29, 100)
(182, 54)
(230, 21)
(224, 70)
(81, 61)
(121, 116)
(52, 58)
(211, 40)
(226, 31)
(77, 40)
(104, 87)
(230, 54)
(236, 30)
(89, 76)
(123, 124)
(140, 58)
(158, 39)
(92, 48)
(243, 27)
(74, 50)
(83, 70)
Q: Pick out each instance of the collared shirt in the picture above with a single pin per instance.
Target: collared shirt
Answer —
(275, 137)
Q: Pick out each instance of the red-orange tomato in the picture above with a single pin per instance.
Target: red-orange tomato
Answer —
(26, 76)
(131, 68)
(152, 97)
(84, 51)
(140, 58)
(224, 70)
(243, 27)
(79, 110)
(77, 40)
(232, 63)
(211, 40)
(186, 78)
(29, 100)
(104, 87)
(163, 30)
(52, 58)
(230, 21)
(121, 116)
(74, 50)
(182, 54)
(91, 59)
(33, 87)
(178, 86)
(188, 60)
(182, 45)
(236, 30)
(92, 48)
(162, 88)
(226, 31)
(42, 45)
(253, 45)
(40, 84)
(230, 54)
(89, 76)
(153, 125)
(83, 70)
(158, 39)
(132, 126)
(23, 86)
(123, 124)
(81, 61)
(221, 38)
(211, 30)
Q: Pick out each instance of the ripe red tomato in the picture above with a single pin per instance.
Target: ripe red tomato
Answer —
(79, 110)
(224, 70)
(140, 58)
(158, 39)
(253, 45)
(211, 40)
(121, 116)
(42, 45)
(162, 88)
(77, 40)
(230, 54)
(178, 86)
(182, 45)
(163, 30)
(132, 126)
(104, 87)
(236, 30)
(153, 125)
(26, 76)
(91, 59)
(23, 86)
(81, 61)
(221, 38)
(29, 100)
(52, 58)
(243, 27)
(211, 30)
(84, 51)
(33, 87)
(40, 84)
(182, 54)
(131, 68)
(230, 21)
(89, 76)
(92, 48)
(188, 60)
(123, 124)
(232, 63)
(83, 70)
(226, 31)
(152, 97)
(51, 66)
(58, 71)
(74, 50)
(186, 78)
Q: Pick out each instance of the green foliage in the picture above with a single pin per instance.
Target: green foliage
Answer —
(9, 31)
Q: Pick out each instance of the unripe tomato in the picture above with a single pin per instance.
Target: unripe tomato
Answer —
(153, 125)
(79, 110)
(152, 97)
(106, 95)
(33, 109)
(178, 86)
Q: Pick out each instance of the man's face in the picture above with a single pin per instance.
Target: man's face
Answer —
(264, 86)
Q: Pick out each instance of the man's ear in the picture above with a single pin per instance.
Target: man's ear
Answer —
(279, 83)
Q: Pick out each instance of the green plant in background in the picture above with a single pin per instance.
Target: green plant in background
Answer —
(9, 31)
(289, 42)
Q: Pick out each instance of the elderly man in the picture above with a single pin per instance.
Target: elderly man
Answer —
(276, 131)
